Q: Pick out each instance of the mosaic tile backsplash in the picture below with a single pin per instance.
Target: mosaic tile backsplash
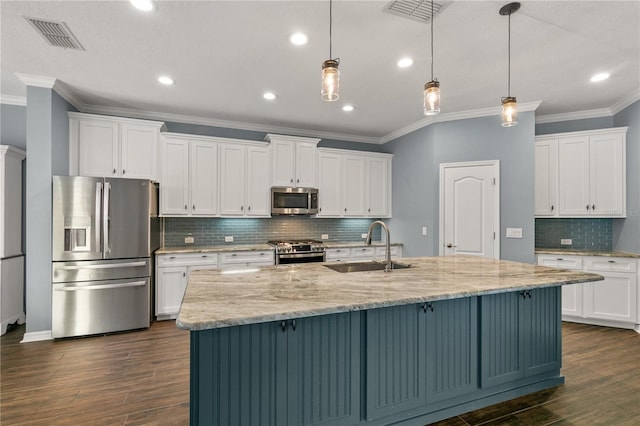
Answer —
(211, 231)
(586, 234)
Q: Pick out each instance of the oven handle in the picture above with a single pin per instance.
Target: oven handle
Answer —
(300, 255)
(102, 266)
(103, 286)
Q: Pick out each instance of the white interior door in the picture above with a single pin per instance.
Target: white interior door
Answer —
(470, 208)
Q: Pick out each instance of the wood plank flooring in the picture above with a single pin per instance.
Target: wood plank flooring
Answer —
(142, 378)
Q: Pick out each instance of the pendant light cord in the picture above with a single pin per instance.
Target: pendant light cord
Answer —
(431, 40)
(330, 26)
(509, 65)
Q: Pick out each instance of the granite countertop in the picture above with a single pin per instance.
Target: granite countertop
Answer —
(216, 299)
(213, 249)
(583, 252)
(337, 244)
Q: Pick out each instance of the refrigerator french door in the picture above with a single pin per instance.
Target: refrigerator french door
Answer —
(104, 233)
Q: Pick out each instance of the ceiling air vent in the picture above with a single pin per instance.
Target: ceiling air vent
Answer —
(418, 10)
(55, 33)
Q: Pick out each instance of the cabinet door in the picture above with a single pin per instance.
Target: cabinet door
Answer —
(324, 370)
(258, 201)
(329, 184)
(615, 298)
(171, 284)
(98, 148)
(452, 342)
(607, 175)
(306, 165)
(573, 176)
(174, 182)
(232, 180)
(572, 300)
(204, 178)
(377, 187)
(353, 183)
(395, 360)
(542, 330)
(546, 178)
(138, 151)
(284, 159)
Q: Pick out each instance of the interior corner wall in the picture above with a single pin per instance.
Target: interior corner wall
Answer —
(416, 186)
(47, 153)
(13, 126)
(626, 232)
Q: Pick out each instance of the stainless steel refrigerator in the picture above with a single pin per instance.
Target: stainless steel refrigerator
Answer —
(104, 234)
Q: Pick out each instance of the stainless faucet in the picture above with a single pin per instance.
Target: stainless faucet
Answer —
(384, 226)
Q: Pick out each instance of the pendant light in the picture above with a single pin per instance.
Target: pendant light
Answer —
(330, 71)
(509, 104)
(432, 88)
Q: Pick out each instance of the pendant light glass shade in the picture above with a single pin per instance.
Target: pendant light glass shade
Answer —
(509, 111)
(432, 98)
(330, 80)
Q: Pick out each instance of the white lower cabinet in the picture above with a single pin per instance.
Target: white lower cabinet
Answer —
(246, 259)
(361, 253)
(611, 302)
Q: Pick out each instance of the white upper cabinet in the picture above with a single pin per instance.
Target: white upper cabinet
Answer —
(589, 179)
(294, 160)
(104, 146)
(354, 183)
(189, 179)
(244, 179)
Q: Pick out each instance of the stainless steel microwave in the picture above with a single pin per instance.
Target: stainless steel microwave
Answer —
(285, 200)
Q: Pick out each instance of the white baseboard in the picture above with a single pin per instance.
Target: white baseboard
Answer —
(36, 336)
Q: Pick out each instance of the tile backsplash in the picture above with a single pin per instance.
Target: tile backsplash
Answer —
(212, 231)
(586, 234)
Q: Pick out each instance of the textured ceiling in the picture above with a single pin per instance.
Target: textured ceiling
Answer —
(224, 54)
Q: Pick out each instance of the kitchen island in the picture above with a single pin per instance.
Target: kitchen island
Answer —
(304, 345)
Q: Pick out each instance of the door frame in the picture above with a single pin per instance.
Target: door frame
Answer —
(496, 201)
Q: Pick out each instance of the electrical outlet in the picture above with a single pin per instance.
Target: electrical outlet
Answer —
(364, 236)
(188, 240)
(566, 241)
(325, 236)
(514, 232)
(228, 239)
(424, 230)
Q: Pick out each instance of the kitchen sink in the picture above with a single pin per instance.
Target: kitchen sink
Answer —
(364, 266)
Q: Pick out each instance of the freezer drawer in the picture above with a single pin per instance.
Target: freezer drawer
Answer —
(96, 307)
(95, 270)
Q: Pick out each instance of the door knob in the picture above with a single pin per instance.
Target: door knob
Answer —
(449, 245)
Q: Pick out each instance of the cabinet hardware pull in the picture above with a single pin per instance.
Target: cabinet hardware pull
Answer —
(552, 207)
(194, 206)
(297, 180)
(291, 181)
(559, 258)
(204, 255)
(184, 274)
(593, 207)
(283, 326)
(525, 294)
(185, 206)
(234, 254)
(293, 325)
(249, 208)
(241, 207)
(262, 254)
(369, 209)
(427, 306)
(587, 206)
(124, 171)
(172, 257)
(611, 261)
(345, 209)
(114, 171)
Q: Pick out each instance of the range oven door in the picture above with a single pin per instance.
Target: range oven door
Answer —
(287, 258)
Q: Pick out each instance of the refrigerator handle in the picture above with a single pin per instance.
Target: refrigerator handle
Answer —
(105, 216)
(98, 205)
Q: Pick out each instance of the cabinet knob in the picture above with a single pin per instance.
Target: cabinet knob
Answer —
(293, 325)
(587, 206)
(593, 207)
(345, 209)
(185, 207)
(283, 326)
(291, 181)
(612, 261)
(184, 274)
(241, 207)
(249, 208)
(369, 209)
(124, 171)
(194, 206)
(114, 171)
(552, 207)
(297, 180)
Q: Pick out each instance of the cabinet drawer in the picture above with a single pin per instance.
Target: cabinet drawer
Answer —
(363, 253)
(337, 254)
(187, 259)
(563, 262)
(257, 258)
(382, 251)
(611, 264)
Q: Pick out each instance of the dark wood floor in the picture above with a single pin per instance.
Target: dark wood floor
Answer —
(143, 378)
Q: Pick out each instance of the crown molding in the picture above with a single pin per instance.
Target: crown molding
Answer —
(631, 98)
(453, 116)
(37, 80)
(13, 100)
(578, 115)
(96, 109)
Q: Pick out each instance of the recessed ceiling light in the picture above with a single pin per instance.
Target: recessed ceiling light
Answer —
(298, 39)
(600, 77)
(269, 96)
(348, 108)
(166, 80)
(405, 62)
(144, 5)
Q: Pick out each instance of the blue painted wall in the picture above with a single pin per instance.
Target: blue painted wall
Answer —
(417, 157)
(574, 125)
(13, 125)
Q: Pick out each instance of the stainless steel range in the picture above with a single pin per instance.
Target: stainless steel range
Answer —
(298, 251)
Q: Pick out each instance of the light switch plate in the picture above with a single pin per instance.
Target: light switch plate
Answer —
(228, 239)
(364, 236)
(566, 241)
(514, 232)
(325, 236)
(188, 240)
(424, 230)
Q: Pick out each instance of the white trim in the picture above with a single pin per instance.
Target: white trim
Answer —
(631, 98)
(62, 90)
(37, 80)
(607, 130)
(270, 136)
(496, 202)
(13, 100)
(36, 336)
